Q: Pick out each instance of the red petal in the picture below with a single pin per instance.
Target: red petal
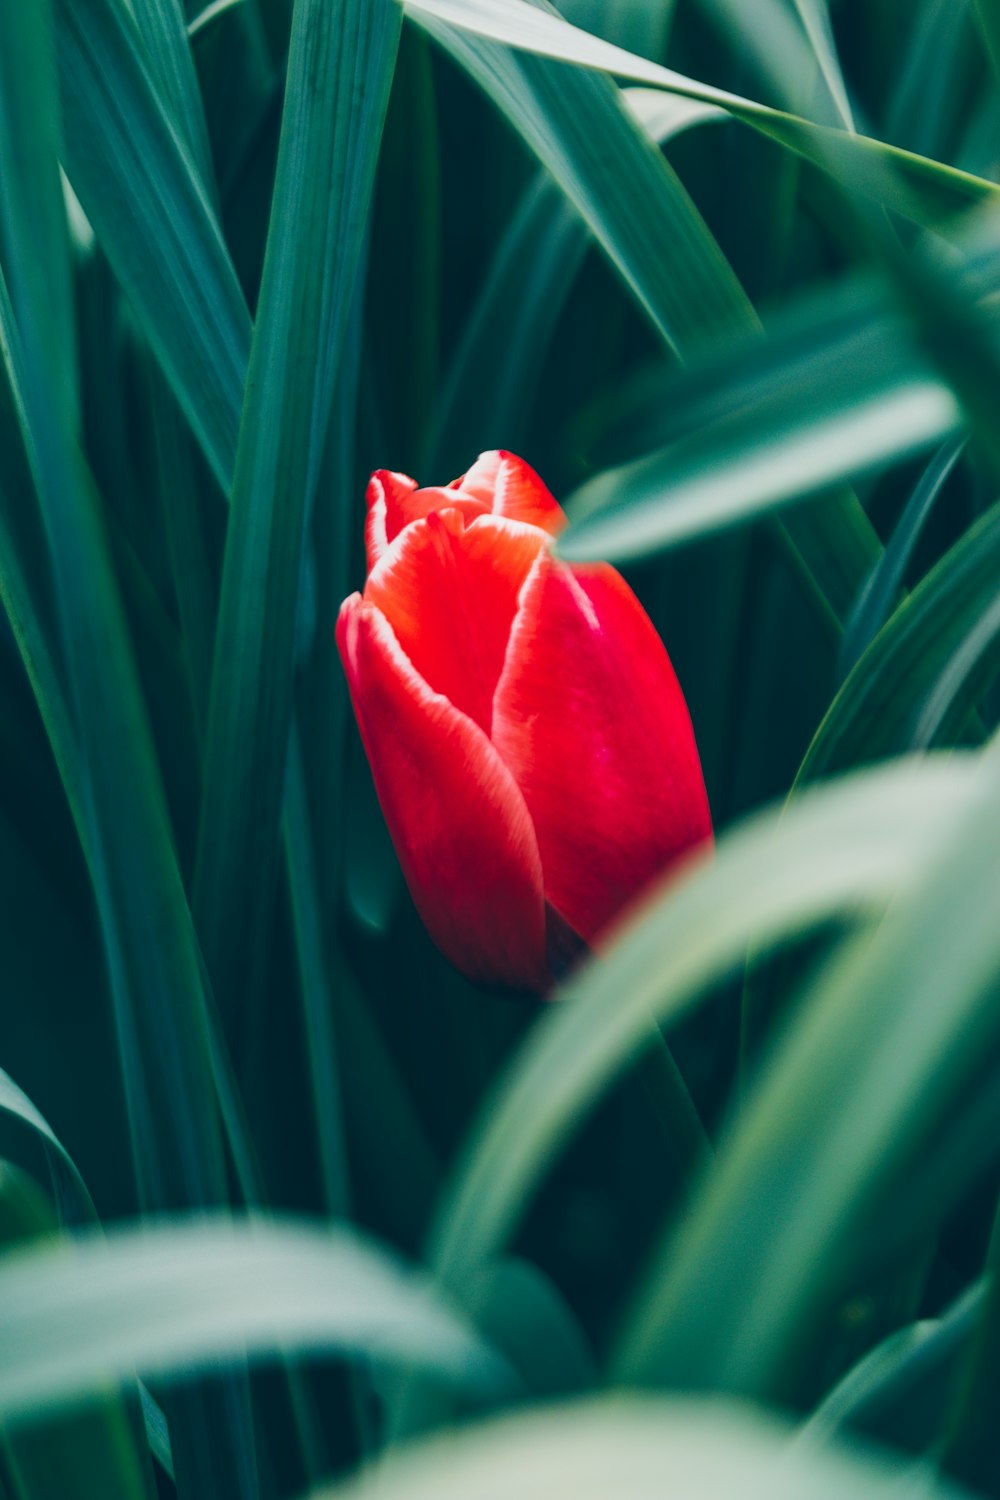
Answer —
(590, 718)
(386, 496)
(394, 501)
(449, 589)
(457, 819)
(511, 488)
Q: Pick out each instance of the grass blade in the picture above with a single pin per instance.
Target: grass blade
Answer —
(829, 395)
(872, 1074)
(919, 679)
(639, 212)
(494, 373)
(340, 66)
(640, 1450)
(917, 187)
(153, 219)
(162, 27)
(171, 1299)
(777, 876)
(874, 602)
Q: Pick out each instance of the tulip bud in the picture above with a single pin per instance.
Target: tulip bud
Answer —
(530, 745)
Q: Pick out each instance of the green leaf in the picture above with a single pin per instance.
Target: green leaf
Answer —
(151, 214)
(916, 186)
(73, 1200)
(834, 391)
(169, 1300)
(875, 600)
(988, 15)
(815, 17)
(903, 1388)
(163, 29)
(640, 1450)
(495, 371)
(125, 830)
(843, 849)
(152, 957)
(862, 1130)
(641, 215)
(918, 681)
(339, 71)
(100, 1448)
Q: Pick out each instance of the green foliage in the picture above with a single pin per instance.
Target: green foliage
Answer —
(281, 1194)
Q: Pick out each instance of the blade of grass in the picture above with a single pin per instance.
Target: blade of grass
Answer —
(875, 600)
(148, 937)
(495, 371)
(73, 1201)
(988, 15)
(641, 215)
(100, 1448)
(815, 17)
(169, 1299)
(927, 189)
(153, 219)
(779, 874)
(901, 1387)
(872, 1071)
(831, 393)
(340, 66)
(163, 30)
(917, 683)
(639, 1449)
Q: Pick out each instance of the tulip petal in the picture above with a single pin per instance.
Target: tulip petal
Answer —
(450, 589)
(394, 502)
(386, 496)
(459, 824)
(591, 720)
(511, 488)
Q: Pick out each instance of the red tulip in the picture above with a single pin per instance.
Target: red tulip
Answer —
(530, 745)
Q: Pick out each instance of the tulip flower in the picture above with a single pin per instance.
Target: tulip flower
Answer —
(530, 745)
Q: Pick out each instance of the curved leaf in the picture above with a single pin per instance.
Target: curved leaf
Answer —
(171, 1299)
(919, 679)
(845, 848)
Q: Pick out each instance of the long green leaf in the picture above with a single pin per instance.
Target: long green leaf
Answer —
(163, 29)
(172, 1299)
(339, 71)
(866, 1091)
(153, 219)
(641, 1450)
(815, 17)
(850, 847)
(494, 373)
(832, 393)
(148, 938)
(875, 601)
(100, 1448)
(988, 13)
(72, 1197)
(917, 186)
(918, 681)
(906, 1384)
(639, 212)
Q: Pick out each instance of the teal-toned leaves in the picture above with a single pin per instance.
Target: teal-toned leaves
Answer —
(637, 1450)
(340, 66)
(917, 682)
(153, 218)
(842, 1148)
(179, 1297)
(916, 185)
(833, 393)
(847, 848)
